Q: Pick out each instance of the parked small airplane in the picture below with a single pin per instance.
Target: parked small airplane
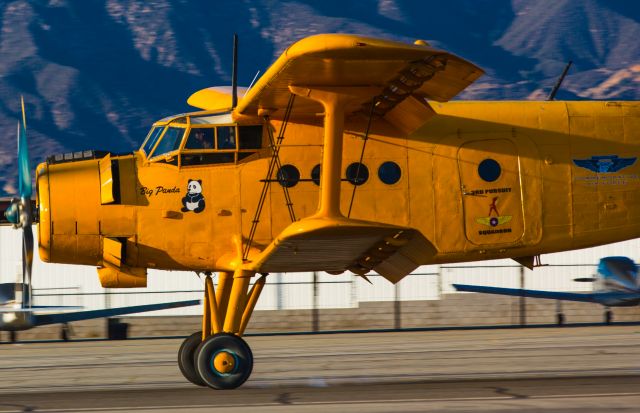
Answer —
(616, 284)
(18, 313)
(374, 169)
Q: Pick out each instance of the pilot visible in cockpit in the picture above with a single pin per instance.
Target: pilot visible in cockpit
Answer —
(200, 139)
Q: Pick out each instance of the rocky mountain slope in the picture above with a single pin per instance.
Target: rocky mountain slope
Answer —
(96, 74)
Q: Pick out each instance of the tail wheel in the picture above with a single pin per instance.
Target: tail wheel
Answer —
(224, 361)
(186, 358)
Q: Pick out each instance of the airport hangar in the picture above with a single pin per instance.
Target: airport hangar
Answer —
(320, 302)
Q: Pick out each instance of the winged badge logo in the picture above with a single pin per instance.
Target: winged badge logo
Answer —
(494, 221)
(605, 164)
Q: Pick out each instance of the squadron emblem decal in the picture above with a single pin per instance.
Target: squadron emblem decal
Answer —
(494, 219)
(605, 164)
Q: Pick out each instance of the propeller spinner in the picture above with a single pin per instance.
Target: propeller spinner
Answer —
(19, 212)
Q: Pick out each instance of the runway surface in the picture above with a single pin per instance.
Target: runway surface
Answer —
(594, 369)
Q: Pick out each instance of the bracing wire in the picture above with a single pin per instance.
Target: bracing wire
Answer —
(364, 145)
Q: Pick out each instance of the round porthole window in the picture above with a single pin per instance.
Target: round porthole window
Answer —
(357, 173)
(288, 176)
(389, 173)
(315, 174)
(489, 170)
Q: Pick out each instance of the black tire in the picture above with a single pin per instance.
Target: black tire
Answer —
(186, 358)
(237, 348)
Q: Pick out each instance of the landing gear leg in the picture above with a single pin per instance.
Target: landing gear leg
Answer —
(221, 358)
(608, 316)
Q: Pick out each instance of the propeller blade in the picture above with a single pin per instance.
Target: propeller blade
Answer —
(19, 212)
(24, 171)
(27, 263)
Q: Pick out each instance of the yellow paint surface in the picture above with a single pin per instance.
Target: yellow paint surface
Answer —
(569, 175)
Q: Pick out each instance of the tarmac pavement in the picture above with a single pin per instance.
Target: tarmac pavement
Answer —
(588, 369)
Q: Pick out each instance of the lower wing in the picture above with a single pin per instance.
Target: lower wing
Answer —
(612, 298)
(44, 319)
(554, 295)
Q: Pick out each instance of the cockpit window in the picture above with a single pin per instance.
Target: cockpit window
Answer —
(250, 137)
(201, 138)
(152, 139)
(226, 137)
(170, 141)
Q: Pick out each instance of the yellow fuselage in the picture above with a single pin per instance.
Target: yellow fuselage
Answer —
(567, 179)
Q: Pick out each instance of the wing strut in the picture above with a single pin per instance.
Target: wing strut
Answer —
(334, 100)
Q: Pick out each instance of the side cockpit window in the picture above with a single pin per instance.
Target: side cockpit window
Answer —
(250, 137)
(194, 142)
(201, 138)
(207, 145)
(226, 137)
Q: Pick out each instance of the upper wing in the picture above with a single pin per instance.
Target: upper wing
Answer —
(342, 244)
(44, 319)
(401, 77)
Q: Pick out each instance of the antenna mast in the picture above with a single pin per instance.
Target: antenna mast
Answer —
(234, 73)
(555, 89)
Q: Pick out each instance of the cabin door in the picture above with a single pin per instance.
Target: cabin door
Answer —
(491, 196)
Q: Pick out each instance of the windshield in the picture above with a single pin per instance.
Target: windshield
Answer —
(152, 139)
(170, 141)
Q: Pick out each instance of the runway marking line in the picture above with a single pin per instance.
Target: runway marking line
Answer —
(201, 406)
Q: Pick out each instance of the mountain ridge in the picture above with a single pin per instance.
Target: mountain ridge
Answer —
(97, 74)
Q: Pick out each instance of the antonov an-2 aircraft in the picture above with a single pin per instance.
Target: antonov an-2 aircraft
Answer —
(346, 155)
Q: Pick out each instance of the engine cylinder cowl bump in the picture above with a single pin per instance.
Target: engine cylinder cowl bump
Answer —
(44, 214)
(69, 212)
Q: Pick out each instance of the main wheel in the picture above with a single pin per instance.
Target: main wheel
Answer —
(186, 358)
(224, 361)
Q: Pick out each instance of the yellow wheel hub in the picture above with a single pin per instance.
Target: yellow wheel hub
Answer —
(224, 362)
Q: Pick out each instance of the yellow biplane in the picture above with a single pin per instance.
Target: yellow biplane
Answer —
(346, 155)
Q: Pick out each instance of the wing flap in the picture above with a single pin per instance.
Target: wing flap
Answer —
(336, 245)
